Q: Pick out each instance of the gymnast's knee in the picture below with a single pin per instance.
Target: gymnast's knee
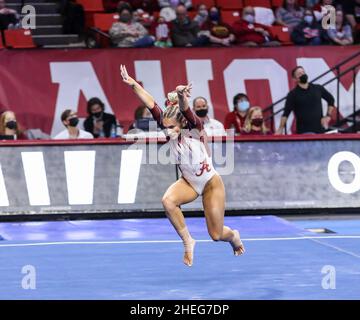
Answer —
(168, 203)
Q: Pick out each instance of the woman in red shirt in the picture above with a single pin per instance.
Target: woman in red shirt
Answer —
(236, 119)
(254, 123)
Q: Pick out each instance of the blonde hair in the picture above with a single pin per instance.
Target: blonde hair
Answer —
(173, 112)
(247, 124)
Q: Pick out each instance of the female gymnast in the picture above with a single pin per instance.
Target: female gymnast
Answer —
(198, 174)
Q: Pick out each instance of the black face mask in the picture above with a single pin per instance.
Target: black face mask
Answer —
(73, 122)
(257, 122)
(97, 114)
(201, 113)
(12, 125)
(304, 78)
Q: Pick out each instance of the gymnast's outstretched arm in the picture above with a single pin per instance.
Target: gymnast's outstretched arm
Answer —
(143, 95)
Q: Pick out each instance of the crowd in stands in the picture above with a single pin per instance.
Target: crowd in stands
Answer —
(179, 23)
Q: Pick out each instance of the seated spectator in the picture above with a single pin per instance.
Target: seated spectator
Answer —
(342, 34)
(99, 123)
(251, 34)
(70, 121)
(217, 31)
(9, 18)
(352, 13)
(236, 119)
(290, 14)
(212, 127)
(127, 33)
(160, 31)
(185, 33)
(174, 3)
(202, 15)
(143, 117)
(254, 123)
(10, 128)
(309, 31)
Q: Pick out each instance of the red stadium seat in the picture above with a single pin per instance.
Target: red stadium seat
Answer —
(281, 34)
(104, 21)
(208, 3)
(230, 16)
(277, 3)
(92, 5)
(19, 39)
(230, 4)
(257, 3)
(192, 14)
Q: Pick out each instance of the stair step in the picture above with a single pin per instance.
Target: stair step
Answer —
(40, 8)
(48, 19)
(48, 29)
(56, 39)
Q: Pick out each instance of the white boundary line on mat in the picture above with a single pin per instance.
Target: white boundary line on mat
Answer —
(39, 244)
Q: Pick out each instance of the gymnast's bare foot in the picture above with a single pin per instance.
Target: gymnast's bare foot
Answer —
(237, 244)
(189, 252)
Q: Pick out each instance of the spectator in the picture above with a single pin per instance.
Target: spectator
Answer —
(252, 34)
(290, 14)
(143, 117)
(217, 31)
(202, 15)
(160, 30)
(74, 17)
(70, 121)
(175, 3)
(10, 128)
(127, 33)
(305, 101)
(254, 123)
(352, 12)
(185, 33)
(9, 18)
(342, 35)
(308, 32)
(236, 118)
(212, 127)
(99, 123)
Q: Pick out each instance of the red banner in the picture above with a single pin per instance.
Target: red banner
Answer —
(39, 85)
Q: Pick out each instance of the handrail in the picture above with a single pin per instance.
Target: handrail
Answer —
(336, 67)
(337, 77)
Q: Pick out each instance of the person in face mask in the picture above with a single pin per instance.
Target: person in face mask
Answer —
(212, 126)
(254, 123)
(251, 34)
(236, 119)
(305, 100)
(216, 30)
(9, 127)
(308, 32)
(70, 120)
(99, 123)
(202, 15)
(129, 33)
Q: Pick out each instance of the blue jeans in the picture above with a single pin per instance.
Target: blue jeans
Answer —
(144, 42)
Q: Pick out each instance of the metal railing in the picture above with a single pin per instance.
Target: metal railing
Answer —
(339, 74)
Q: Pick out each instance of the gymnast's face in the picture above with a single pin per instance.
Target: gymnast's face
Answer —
(173, 127)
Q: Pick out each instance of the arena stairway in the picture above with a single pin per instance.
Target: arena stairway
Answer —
(49, 31)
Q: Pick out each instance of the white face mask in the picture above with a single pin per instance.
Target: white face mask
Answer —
(172, 134)
(249, 18)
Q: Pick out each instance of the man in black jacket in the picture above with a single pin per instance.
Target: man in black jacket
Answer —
(305, 101)
(99, 123)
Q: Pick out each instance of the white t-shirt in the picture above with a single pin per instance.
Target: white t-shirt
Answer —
(214, 127)
(65, 135)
